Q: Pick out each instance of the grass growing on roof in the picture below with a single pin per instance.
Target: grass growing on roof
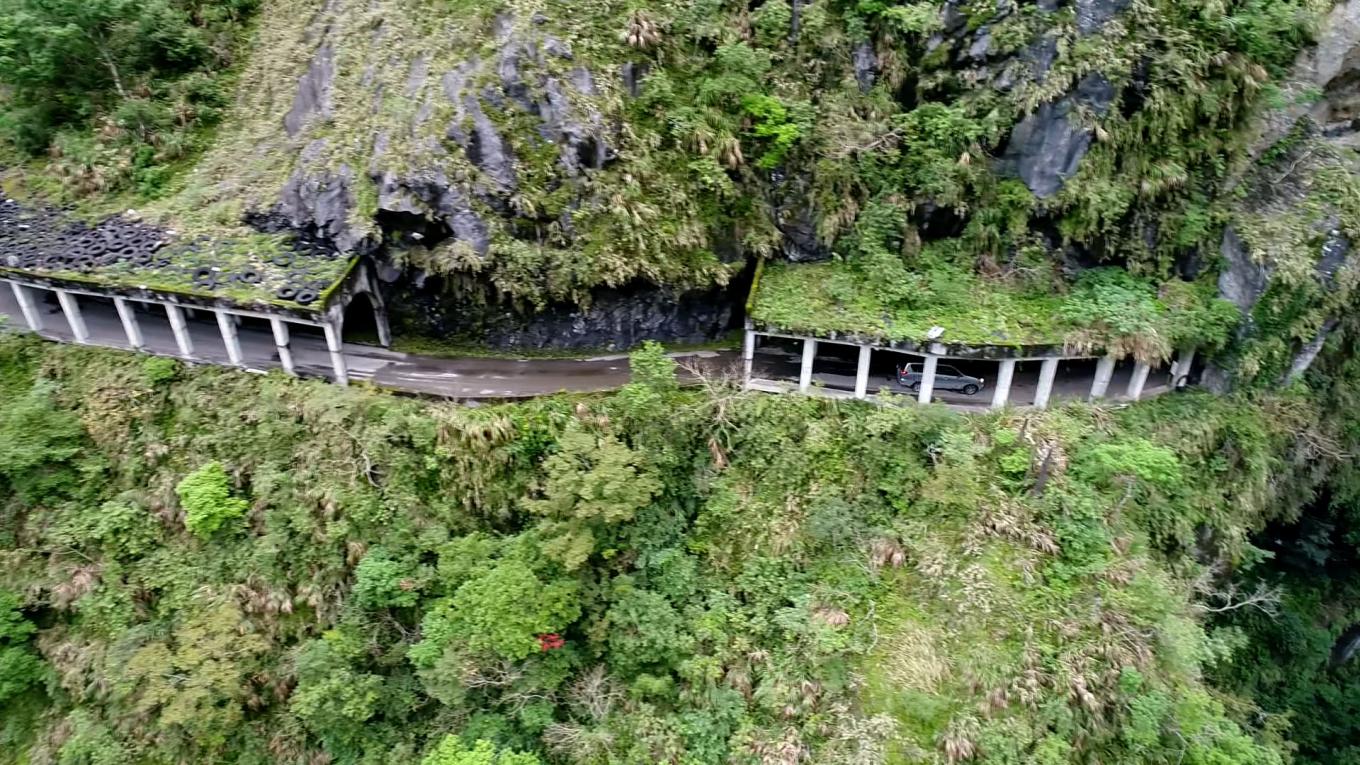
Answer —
(1104, 309)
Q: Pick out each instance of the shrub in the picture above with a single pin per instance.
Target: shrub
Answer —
(452, 751)
(38, 442)
(206, 497)
(160, 370)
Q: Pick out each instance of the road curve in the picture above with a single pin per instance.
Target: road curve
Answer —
(455, 378)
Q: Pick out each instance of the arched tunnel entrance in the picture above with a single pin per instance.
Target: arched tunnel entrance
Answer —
(361, 320)
(365, 321)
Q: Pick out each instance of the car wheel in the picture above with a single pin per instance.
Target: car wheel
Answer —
(970, 389)
(914, 387)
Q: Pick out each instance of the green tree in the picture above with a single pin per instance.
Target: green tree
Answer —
(141, 67)
(38, 441)
(645, 629)
(502, 612)
(594, 481)
(381, 582)
(20, 667)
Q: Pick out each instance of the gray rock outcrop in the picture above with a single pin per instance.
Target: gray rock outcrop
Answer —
(1092, 15)
(865, 63)
(525, 74)
(1047, 146)
(616, 319)
(320, 201)
(1242, 280)
(1309, 352)
(797, 220)
(313, 92)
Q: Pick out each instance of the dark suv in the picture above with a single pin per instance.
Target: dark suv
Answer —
(946, 378)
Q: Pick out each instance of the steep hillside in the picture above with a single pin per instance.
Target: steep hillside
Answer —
(205, 566)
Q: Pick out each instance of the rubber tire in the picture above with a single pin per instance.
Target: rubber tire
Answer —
(970, 390)
(914, 387)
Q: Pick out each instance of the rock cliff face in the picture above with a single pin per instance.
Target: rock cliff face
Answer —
(615, 319)
(485, 140)
(469, 169)
(570, 153)
(1287, 261)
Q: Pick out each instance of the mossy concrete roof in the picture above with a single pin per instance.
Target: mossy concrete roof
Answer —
(284, 272)
(1108, 311)
(822, 299)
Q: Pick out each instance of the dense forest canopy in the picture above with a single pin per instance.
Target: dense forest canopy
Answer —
(115, 91)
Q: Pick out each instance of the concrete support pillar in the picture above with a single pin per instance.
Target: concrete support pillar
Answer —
(180, 326)
(337, 354)
(281, 342)
(130, 327)
(805, 373)
(928, 379)
(1047, 374)
(1001, 393)
(227, 324)
(1180, 371)
(380, 319)
(862, 371)
(1104, 374)
(70, 307)
(748, 356)
(1138, 380)
(29, 306)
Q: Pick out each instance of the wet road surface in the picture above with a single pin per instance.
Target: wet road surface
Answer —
(460, 378)
(504, 378)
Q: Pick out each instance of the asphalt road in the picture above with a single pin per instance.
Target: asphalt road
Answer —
(462, 378)
(498, 378)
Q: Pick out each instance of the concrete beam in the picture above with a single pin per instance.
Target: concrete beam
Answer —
(805, 373)
(1047, 374)
(380, 319)
(282, 343)
(928, 379)
(862, 371)
(1104, 374)
(748, 355)
(29, 306)
(337, 355)
(227, 325)
(180, 327)
(1001, 392)
(1138, 380)
(70, 307)
(128, 316)
(1180, 371)
(366, 283)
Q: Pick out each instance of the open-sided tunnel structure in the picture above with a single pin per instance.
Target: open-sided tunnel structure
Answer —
(999, 376)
